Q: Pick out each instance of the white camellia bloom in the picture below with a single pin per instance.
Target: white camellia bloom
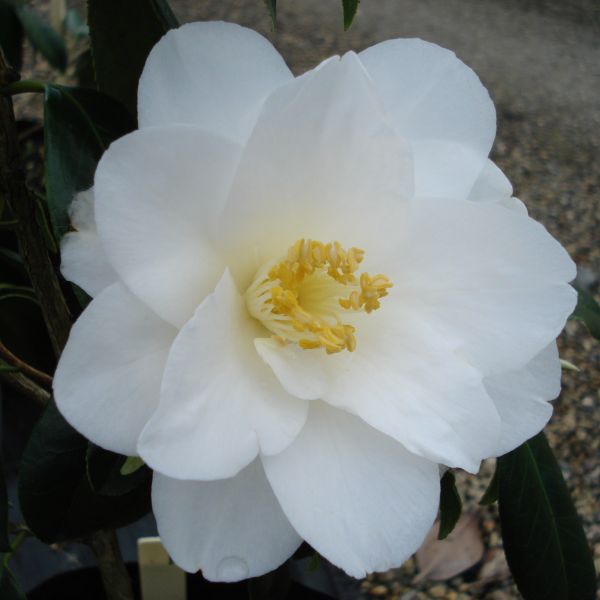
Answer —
(309, 293)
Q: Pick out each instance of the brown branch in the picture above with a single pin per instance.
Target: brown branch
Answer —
(31, 239)
(25, 368)
(117, 584)
(25, 386)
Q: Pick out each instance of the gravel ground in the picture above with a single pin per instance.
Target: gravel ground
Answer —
(540, 61)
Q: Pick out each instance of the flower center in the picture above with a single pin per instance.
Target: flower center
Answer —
(304, 297)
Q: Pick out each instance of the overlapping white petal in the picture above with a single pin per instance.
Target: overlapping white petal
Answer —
(301, 374)
(492, 185)
(356, 496)
(213, 75)
(158, 194)
(108, 378)
(220, 404)
(405, 380)
(521, 398)
(83, 260)
(323, 163)
(481, 275)
(231, 529)
(439, 104)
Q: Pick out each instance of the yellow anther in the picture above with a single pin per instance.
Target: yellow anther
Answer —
(280, 340)
(294, 297)
(309, 344)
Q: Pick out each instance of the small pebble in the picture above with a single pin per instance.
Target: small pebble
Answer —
(378, 590)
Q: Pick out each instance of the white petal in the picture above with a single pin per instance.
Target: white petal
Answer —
(492, 279)
(81, 211)
(355, 495)
(108, 377)
(158, 192)
(444, 170)
(299, 371)
(405, 380)
(440, 105)
(521, 398)
(220, 404)
(231, 529)
(322, 163)
(83, 260)
(515, 204)
(214, 75)
(492, 185)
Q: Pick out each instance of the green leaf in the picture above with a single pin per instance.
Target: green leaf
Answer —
(106, 476)
(491, 494)
(122, 34)
(79, 124)
(450, 505)
(4, 541)
(11, 36)
(272, 8)
(543, 538)
(131, 465)
(587, 311)
(43, 38)
(9, 588)
(350, 8)
(56, 498)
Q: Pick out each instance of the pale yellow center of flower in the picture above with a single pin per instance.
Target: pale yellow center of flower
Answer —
(305, 298)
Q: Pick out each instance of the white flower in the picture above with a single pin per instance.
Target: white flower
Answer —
(234, 344)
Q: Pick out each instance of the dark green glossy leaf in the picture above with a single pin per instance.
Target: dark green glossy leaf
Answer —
(350, 8)
(543, 538)
(11, 35)
(104, 470)
(272, 8)
(450, 505)
(122, 34)
(4, 541)
(491, 494)
(56, 498)
(43, 38)
(588, 311)
(9, 588)
(79, 124)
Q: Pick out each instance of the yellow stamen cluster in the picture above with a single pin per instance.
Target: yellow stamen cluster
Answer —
(334, 338)
(371, 290)
(286, 283)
